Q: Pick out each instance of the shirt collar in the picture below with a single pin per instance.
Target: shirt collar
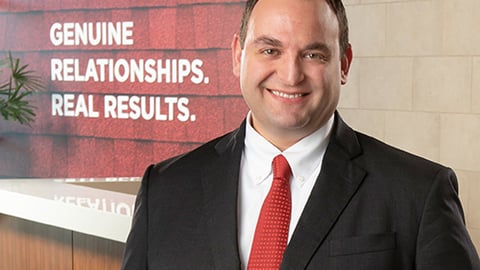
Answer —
(303, 157)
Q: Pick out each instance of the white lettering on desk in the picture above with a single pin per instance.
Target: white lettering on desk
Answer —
(101, 204)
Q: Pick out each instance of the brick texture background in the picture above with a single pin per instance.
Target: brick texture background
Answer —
(103, 147)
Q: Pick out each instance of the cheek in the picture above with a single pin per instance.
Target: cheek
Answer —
(327, 79)
(330, 94)
(326, 87)
(249, 75)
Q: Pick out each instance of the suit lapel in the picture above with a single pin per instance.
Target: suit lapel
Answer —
(220, 186)
(338, 181)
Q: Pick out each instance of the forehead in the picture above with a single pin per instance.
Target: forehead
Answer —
(292, 19)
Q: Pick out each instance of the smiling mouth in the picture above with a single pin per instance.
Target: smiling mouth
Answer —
(286, 95)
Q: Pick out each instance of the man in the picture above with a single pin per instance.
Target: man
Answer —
(353, 202)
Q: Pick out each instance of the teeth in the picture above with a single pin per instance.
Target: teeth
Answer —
(285, 95)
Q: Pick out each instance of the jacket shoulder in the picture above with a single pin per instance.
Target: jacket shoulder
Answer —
(381, 156)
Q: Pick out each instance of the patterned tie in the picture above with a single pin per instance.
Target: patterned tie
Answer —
(271, 234)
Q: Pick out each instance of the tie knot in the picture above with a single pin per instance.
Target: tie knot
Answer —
(281, 168)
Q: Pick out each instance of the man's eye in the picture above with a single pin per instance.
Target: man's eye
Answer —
(269, 51)
(314, 56)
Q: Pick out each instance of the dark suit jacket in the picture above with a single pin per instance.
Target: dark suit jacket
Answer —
(373, 207)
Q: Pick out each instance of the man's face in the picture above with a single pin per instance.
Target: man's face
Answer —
(290, 68)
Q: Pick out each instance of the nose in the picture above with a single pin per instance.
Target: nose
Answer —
(290, 70)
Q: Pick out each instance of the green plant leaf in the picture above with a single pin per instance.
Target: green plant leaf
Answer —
(14, 92)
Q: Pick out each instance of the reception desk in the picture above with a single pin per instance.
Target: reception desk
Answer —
(65, 223)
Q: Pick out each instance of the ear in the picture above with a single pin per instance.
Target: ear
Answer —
(236, 55)
(346, 61)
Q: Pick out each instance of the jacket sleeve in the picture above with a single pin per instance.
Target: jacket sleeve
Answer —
(443, 241)
(136, 248)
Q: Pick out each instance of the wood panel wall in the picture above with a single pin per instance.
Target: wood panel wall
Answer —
(26, 245)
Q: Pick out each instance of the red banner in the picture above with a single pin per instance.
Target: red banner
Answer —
(128, 83)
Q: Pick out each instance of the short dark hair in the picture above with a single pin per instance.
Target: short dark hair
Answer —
(336, 6)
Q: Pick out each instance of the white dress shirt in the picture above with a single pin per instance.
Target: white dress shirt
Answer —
(256, 176)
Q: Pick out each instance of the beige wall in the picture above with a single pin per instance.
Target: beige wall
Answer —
(415, 83)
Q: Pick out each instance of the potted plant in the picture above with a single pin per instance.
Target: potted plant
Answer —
(17, 82)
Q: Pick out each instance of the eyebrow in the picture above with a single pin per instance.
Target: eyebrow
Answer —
(265, 40)
(318, 46)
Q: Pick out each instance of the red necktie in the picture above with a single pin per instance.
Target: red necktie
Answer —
(271, 234)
